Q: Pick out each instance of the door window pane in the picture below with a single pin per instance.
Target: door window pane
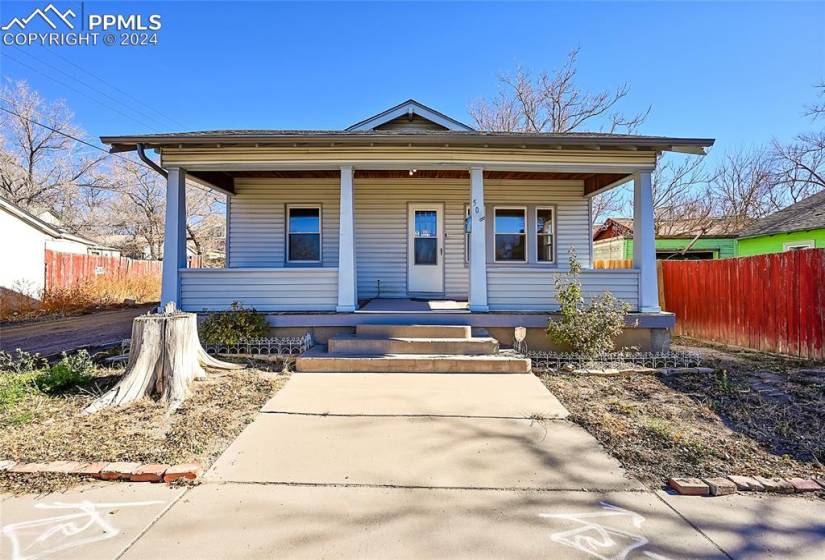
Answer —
(426, 250)
(426, 223)
(544, 234)
(304, 235)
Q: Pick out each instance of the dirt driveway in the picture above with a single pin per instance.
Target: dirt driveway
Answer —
(52, 336)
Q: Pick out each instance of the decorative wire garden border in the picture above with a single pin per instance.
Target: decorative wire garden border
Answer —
(280, 346)
(553, 361)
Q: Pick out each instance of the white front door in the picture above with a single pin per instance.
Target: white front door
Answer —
(425, 248)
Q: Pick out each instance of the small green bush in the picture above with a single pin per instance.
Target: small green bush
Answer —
(229, 327)
(587, 329)
(69, 372)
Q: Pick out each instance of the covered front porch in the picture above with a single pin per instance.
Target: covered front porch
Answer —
(359, 235)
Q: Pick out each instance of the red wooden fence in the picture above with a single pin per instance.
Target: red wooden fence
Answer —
(774, 303)
(67, 269)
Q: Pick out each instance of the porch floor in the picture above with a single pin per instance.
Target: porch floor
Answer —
(407, 305)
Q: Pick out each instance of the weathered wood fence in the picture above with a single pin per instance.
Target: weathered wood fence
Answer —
(613, 263)
(64, 270)
(773, 303)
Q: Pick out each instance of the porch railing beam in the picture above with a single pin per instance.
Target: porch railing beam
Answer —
(346, 244)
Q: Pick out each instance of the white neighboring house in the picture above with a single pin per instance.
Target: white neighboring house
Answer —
(23, 252)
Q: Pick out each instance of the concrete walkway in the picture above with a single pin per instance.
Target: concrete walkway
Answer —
(410, 466)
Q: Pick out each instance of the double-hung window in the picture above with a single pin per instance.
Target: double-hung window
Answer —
(510, 232)
(544, 235)
(303, 234)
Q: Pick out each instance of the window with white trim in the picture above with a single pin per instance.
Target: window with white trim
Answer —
(545, 223)
(303, 234)
(510, 234)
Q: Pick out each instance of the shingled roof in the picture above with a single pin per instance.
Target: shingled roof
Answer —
(804, 215)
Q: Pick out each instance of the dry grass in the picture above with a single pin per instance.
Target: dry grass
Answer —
(46, 428)
(94, 294)
(705, 424)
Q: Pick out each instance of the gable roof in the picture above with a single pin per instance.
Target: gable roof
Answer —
(804, 215)
(410, 108)
(52, 230)
(675, 229)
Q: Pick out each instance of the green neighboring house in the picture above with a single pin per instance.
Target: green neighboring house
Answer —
(681, 239)
(799, 226)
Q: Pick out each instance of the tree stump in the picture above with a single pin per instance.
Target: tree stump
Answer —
(164, 357)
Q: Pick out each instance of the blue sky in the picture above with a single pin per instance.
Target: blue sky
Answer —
(738, 72)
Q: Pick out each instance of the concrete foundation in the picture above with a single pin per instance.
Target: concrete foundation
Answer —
(645, 339)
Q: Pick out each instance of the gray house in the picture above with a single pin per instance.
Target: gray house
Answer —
(384, 222)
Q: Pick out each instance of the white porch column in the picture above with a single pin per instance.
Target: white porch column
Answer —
(478, 242)
(174, 240)
(346, 244)
(644, 242)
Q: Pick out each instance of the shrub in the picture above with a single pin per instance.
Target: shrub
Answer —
(70, 371)
(230, 327)
(21, 362)
(588, 329)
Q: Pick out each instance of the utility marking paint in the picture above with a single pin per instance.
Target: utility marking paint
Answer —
(54, 534)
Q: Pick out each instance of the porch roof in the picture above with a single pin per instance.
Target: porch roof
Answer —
(549, 140)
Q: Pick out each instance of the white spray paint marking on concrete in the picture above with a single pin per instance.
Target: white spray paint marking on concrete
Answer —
(605, 542)
(39, 538)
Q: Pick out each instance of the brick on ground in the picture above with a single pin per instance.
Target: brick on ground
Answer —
(776, 485)
(119, 470)
(90, 469)
(689, 486)
(820, 480)
(747, 483)
(720, 486)
(30, 468)
(804, 485)
(64, 466)
(149, 473)
(188, 471)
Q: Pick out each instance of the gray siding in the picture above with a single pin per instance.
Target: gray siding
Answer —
(256, 236)
(257, 219)
(521, 289)
(285, 289)
(381, 227)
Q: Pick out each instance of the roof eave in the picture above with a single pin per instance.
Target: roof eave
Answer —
(683, 145)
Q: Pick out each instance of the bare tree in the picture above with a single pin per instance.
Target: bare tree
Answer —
(681, 204)
(136, 214)
(817, 109)
(553, 102)
(741, 187)
(41, 167)
(609, 204)
(800, 165)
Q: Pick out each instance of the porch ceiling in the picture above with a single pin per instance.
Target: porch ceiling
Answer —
(593, 182)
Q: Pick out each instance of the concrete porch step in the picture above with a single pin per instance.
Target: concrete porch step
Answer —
(413, 331)
(360, 344)
(318, 360)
